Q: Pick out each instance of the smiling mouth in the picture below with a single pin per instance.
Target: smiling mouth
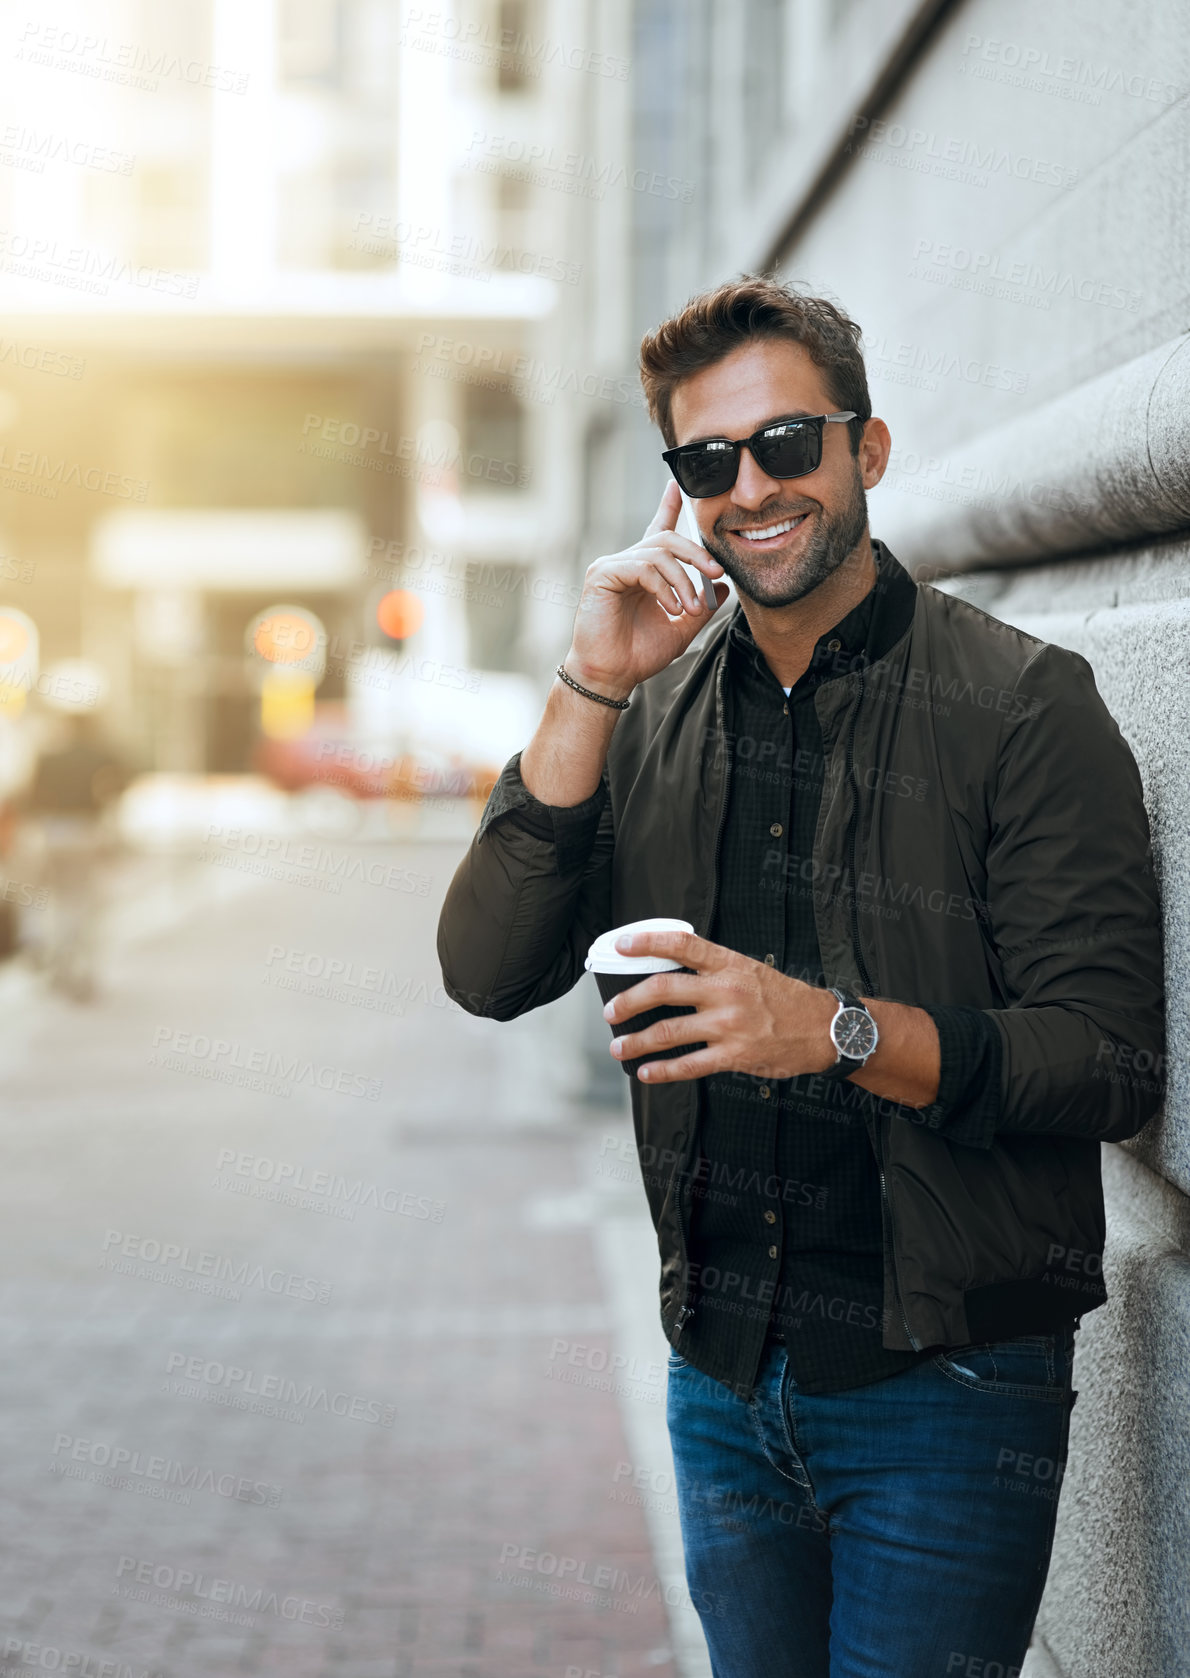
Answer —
(769, 532)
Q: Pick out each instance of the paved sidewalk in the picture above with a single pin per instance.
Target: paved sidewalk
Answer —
(312, 1287)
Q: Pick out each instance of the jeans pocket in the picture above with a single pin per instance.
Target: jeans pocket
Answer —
(1030, 1366)
(676, 1360)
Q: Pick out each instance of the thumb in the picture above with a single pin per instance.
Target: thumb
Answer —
(668, 508)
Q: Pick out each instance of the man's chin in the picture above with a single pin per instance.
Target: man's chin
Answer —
(780, 582)
(773, 598)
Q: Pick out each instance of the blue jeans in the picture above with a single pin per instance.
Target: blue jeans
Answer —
(901, 1529)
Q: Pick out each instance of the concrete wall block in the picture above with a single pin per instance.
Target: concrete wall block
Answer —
(1117, 1601)
(1106, 462)
(938, 236)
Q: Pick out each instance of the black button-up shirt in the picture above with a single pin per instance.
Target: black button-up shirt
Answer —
(786, 1228)
(786, 1234)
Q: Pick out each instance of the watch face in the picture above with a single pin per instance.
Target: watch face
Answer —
(853, 1033)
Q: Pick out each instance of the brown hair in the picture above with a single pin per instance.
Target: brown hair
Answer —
(754, 307)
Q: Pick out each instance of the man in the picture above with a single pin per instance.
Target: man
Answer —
(928, 984)
(73, 787)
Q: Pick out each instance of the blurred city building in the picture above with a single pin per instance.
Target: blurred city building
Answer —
(289, 295)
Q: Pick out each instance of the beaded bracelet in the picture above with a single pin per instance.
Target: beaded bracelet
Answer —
(616, 704)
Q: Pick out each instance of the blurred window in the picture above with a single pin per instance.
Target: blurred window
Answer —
(309, 43)
(764, 73)
(604, 469)
(841, 13)
(338, 68)
(514, 199)
(171, 214)
(338, 46)
(184, 30)
(516, 21)
(493, 430)
(496, 617)
(364, 185)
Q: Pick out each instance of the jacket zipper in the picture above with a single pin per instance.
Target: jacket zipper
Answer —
(710, 916)
(687, 1310)
(861, 967)
(866, 982)
(913, 1340)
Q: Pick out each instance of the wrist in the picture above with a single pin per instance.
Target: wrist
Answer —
(825, 1052)
(610, 687)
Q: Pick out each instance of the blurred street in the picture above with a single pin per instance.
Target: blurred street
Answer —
(314, 1284)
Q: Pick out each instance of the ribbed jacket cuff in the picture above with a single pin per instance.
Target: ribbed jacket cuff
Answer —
(967, 1106)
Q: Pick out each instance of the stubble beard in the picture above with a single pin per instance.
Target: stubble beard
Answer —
(775, 581)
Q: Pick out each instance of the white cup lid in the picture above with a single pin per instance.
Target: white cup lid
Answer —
(603, 957)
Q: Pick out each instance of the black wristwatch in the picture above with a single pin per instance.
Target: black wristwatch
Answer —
(854, 1034)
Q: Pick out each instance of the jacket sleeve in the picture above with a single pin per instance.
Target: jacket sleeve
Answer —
(1075, 915)
(527, 900)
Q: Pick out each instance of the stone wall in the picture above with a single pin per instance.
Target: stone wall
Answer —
(1008, 228)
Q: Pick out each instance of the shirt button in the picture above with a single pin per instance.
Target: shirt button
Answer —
(765, 1092)
(776, 830)
(770, 961)
(785, 707)
(770, 1217)
(772, 1252)
(834, 645)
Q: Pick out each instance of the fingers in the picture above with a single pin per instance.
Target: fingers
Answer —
(675, 586)
(668, 508)
(686, 947)
(683, 1069)
(674, 570)
(657, 574)
(680, 547)
(676, 990)
(666, 1034)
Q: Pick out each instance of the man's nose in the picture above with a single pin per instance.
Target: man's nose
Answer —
(753, 486)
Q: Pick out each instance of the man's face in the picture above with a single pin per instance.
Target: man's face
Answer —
(821, 516)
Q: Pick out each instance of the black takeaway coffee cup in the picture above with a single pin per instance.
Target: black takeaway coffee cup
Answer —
(615, 972)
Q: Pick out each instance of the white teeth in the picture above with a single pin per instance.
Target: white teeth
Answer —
(773, 530)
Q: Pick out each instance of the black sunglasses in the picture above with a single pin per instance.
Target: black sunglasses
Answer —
(786, 449)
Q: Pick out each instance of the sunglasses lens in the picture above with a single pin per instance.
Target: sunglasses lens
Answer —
(789, 451)
(707, 469)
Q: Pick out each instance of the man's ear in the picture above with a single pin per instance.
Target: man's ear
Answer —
(874, 448)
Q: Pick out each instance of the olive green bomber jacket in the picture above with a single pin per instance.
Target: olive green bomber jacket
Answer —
(1021, 884)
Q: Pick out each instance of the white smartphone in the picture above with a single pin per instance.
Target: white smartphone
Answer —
(687, 525)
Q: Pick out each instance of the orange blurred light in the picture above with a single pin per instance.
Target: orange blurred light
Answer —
(400, 613)
(284, 638)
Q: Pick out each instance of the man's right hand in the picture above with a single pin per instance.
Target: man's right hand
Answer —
(639, 610)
